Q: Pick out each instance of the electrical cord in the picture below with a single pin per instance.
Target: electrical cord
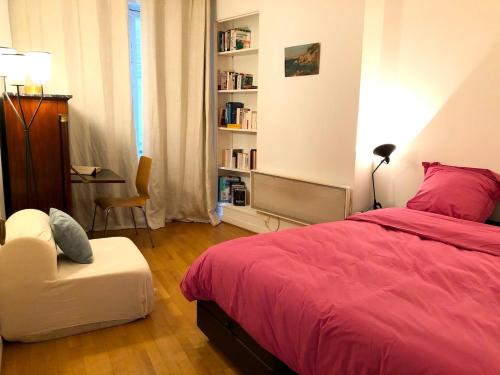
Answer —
(268, 220)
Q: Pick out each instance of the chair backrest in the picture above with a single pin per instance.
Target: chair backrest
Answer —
(143, 174)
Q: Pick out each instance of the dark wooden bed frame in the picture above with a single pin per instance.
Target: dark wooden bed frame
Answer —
(237, 344)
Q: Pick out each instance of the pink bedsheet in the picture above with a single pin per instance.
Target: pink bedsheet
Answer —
(391, 291)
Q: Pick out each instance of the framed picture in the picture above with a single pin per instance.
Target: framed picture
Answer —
(302, 60)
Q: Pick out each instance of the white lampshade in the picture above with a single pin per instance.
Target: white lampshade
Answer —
(15, 68)
(38, 66)
(4, 71)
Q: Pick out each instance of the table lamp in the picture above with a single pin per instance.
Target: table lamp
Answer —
(38, 71)
(5, 64)
(385, 152)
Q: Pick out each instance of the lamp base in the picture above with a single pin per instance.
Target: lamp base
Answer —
(376, 205)
(33, 90)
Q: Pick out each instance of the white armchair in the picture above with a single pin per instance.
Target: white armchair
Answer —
(44, 296)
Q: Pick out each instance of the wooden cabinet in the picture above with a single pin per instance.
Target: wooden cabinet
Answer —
(51, 183)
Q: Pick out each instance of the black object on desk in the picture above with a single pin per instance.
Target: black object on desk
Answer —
(105, 176)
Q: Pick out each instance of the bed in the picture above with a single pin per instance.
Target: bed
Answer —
(388, 291)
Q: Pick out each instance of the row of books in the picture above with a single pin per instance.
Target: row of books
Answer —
(233, 39)
(229, 80)
(234, 115)
(244, 159)
(228, 187)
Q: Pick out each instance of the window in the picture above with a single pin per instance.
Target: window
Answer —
(134, 30)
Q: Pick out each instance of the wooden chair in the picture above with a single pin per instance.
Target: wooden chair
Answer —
(139, 201)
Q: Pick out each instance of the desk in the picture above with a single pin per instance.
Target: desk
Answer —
(105, 176)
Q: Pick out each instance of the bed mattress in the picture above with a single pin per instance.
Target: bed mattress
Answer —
(389, 291)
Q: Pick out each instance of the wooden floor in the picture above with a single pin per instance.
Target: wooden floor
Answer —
(167, 342)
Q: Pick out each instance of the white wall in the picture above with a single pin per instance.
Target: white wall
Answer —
(430, 84)
(5, 37)
(307, 125)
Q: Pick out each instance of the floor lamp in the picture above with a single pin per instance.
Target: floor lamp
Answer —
(385, 152)
(18, 70)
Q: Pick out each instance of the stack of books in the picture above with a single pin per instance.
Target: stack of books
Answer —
(225, 188)
(236, 158)
(234, 115)
(229, 80)
(233, 39)
(246, 119)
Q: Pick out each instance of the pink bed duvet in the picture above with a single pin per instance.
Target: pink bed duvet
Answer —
(391, 291)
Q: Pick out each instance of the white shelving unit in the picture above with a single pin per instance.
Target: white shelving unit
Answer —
(235, 170)
(243, 61)
(242, 209)
(244, 91)
(240, 52)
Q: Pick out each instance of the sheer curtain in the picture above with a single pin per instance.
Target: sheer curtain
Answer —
(178, 87)
(88, 40)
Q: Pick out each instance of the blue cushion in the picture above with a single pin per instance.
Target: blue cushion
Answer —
(70, 237)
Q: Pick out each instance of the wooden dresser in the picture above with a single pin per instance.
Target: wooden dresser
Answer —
(49, 137)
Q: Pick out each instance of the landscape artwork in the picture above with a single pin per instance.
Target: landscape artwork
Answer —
(302, 60)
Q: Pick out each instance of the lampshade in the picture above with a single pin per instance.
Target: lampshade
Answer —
(38, 66)
(384, 150)
(3, 64)
(15, 68)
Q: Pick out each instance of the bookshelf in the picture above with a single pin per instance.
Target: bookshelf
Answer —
(240, 52)
(242, 91)
(243, 61)
(249, 131)
(242, 209)
(235, 170)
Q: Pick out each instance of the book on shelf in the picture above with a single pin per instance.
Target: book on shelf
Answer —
(225, 191)
(253, 159)
(231, 108)
(239, 194)
(237, 158)
(242, 159)
(222, 117)
(234, 39)
(226, 160)
(246, 118)
(230, 80)
(235, 116)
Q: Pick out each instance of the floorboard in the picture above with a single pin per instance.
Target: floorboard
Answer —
(167, 342)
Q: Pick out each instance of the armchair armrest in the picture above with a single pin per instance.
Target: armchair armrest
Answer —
(29, 253)
(27, 260)
(28, 272)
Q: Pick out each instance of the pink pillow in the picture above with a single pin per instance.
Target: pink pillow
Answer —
(461, 192)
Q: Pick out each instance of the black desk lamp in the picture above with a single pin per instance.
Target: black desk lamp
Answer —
(384, 151)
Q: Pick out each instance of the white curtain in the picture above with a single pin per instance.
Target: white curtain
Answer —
(88, 40)
(177, 37)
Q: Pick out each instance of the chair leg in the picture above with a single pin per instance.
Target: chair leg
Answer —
(93, 221)
(106, 220)
(147, 226)
(133, 218)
